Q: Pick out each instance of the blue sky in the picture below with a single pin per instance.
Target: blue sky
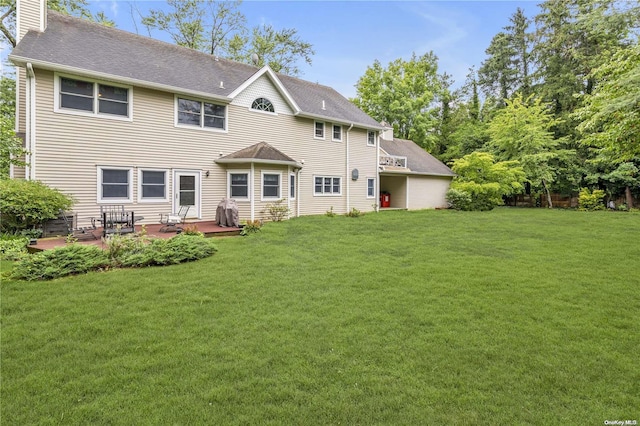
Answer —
(348, 36)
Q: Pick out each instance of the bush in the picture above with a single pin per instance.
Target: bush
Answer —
(59, 262)
(179, 249)
(26, 204)
(354, 213)
(590, 201)
(474, 197)
(277, 210)
(330, 212)
(13, 247)
(251, 227)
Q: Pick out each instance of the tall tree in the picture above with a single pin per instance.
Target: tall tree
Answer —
(11, 149)
(497, 76)
(610, 117)
(78, 8)
(219, 28)
(207, 25)
(521, 41)
(522, 131)
(281, 50)
(405, 94)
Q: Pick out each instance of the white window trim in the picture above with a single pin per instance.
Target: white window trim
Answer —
(200, 127)
(99, 198)
(374, 188)
(323, 194)
(324, 130)
(270, 172)
(58, 109)
(249, 189)
(295, 185)
(375, 137)
(166, 198)
(332, 132)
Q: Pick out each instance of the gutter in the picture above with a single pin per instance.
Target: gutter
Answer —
(293, 164)
(337, 121)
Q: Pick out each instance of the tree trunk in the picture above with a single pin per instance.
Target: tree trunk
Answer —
(546, 191)
(629, 197)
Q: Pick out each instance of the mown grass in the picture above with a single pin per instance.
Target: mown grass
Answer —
(504, 317)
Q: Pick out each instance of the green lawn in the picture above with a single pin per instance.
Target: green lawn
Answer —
(437, 317)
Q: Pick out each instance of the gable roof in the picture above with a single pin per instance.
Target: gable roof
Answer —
(261, 152)
(85, 48)
(419, 161)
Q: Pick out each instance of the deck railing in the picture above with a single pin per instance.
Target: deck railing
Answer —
(393, 160)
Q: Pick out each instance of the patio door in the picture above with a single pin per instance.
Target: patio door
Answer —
(186, 191)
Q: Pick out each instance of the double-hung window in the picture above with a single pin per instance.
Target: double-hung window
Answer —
(93, 98)
(337, 132)
(153, 185)
(270, 185)
(239, 185)
(326, 185)
(201, 114)
(371, 187)
(114, 184)
(371, 138)
(319, 130)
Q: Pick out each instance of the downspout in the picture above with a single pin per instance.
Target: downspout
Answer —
(251, 193)
(348, 167)
(30, 111)
(298, 174)
(376, 189)
(289, 194)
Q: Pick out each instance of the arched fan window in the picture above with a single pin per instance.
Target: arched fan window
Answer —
(262, 104)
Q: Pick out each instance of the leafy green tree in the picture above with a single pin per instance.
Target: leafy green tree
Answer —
(405, 94)
(78, 8)
(522, 131)
(11, 149)
(219, 28)
(497, 76)
(207, 25)
(281, 50)
(482, 182)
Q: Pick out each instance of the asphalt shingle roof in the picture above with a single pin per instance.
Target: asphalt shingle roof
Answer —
(259, 151)
(74, 44)
(418, 160)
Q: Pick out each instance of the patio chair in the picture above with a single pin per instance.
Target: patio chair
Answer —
(171, 221)
(73, 230)
(117, 221)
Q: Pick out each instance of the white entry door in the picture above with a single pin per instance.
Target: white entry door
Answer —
(186, 191)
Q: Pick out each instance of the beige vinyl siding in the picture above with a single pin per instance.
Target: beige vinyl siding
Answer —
(29, 16)
(428, 192)
(72, 147)
(363, 158)
(396, 186)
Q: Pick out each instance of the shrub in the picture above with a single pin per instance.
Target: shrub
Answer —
(277, 210)
(13, 247)
(330, 212)
(28, 204)
(179, 249)
(354, 213)
(591, 200)
(59, 262)
(251, 227)
(118, 246)
(459, 200)
(192, 230)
